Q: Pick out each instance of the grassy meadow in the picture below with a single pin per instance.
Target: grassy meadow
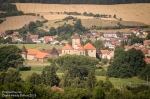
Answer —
(37, 67)
(34, 46)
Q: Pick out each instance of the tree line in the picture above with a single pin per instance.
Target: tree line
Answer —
(78, 1)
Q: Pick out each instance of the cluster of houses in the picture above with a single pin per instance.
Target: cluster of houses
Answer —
(110, 39)
(76, 48)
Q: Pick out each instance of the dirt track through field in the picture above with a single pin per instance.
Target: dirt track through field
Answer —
(128, 12)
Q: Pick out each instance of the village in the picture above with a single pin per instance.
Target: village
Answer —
(109, 39)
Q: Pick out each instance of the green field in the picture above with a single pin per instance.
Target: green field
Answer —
(34, 46)
(117, 82)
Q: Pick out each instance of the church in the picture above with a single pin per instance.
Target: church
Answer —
(78, 49)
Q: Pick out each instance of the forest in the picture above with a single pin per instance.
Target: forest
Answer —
(110, 2)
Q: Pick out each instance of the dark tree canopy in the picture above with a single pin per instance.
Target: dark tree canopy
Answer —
(145, 73)
(10, 56)
(127, 63)
(49, 76)
(77, 65)
(80, 1)
(52, 31)
(10, 76)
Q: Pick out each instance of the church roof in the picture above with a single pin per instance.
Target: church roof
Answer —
(67, 47)
(76, 36)
(54, 51)
(81, 48)
(24, 49)
(89, 46)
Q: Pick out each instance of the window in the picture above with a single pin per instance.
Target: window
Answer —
(80, 53)
(91, 50)
(69, 51)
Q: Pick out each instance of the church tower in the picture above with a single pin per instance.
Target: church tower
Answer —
(75, 41)
(24, 52)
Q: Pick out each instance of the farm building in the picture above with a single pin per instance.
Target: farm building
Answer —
(39, 55)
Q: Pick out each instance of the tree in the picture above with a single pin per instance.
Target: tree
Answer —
(148, 36)
(10, 56)
(34, 79)
(66, 79)
(127, 63)
(99, 93)
(99, 44)
(52, 31)
(32, 26)
(145, 73)
(10, 76)
(49, 76)
(77, 65)
(9, 32)
(78, 25)
(91, 80)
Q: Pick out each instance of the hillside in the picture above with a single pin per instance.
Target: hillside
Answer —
(17, 22)
(128, 12)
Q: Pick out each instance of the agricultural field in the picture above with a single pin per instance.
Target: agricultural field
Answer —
(16, 22)
(34, 46)
(139, 12)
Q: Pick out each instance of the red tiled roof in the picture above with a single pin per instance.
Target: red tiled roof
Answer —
(67, 47)
(81, 48)
(34, 36)
(41, 55)
(147, 60)
(145, 51)
(105, 52)
(138, 48)
(57, 88)
(88, 46)
(45, 37)
(128, 47)
(78, 44)
(32, 51)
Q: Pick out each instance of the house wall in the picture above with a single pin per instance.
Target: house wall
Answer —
(30, 57)
(110, 35)
(67, 52)
(148, 52)
(24, 55)
(82, 52)
(54, 56)
(91, 53)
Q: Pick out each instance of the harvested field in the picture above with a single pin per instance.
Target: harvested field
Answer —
(128, 12)
(17, 22)
(98, 22)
